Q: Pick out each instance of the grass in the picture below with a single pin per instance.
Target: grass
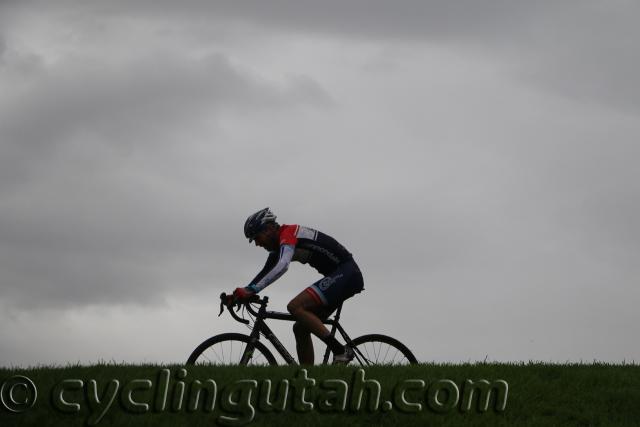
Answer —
(538, 394)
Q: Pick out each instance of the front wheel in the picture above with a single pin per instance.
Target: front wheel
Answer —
(376, 349)
(229, 349)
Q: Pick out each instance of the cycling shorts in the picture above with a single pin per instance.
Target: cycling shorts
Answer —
(343, 283)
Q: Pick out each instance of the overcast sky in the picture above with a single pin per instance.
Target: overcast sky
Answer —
(480, 159)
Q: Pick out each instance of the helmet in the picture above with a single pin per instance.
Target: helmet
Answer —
(256, 222)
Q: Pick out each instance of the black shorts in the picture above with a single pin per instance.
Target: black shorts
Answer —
(343, 283)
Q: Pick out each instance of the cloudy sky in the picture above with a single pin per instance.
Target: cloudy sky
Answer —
(478, 158)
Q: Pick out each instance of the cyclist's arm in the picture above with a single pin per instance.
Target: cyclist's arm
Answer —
(261, 281)
(272, 260)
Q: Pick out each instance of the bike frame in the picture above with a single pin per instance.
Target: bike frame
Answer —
(260, 327)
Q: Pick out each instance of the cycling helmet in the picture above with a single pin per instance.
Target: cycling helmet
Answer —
(256, 222)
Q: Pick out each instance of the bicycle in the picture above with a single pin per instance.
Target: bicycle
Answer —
(371, 349)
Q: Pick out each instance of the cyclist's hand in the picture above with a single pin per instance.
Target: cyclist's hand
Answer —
(242, 293)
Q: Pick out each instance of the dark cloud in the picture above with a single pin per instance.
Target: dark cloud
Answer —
(586, 51)
(146, 102)
(92, 150)
(114, 100)
(376, 19)
(80, 237)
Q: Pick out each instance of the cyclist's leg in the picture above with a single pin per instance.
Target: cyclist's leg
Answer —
(304, 344)
(308, 312)
(320, 300)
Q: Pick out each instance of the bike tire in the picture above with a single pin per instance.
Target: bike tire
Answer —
(377, 349)
(219, 350)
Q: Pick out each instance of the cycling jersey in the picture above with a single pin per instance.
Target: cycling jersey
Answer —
(304, 245)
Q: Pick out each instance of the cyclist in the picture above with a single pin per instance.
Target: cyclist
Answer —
(342, 278)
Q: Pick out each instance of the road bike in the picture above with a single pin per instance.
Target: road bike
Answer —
(235, 348)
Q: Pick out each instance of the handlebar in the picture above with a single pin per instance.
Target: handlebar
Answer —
(229, 302)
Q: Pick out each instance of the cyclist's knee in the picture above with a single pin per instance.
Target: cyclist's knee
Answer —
(293, 307)
(297, 304)
(301, 303)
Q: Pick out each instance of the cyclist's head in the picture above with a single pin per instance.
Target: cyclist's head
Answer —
(257, 222)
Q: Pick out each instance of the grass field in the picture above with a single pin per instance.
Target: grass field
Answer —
(531, 394)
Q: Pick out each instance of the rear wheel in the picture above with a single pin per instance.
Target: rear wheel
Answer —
(228, 349)
(376, 349)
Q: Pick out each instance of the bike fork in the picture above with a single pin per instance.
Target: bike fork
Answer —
(254, 337)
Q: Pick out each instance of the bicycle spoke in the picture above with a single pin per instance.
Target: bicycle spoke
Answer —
(216, 353)
(366, 349)
(393, 361)
(387, 352)
(380, 351)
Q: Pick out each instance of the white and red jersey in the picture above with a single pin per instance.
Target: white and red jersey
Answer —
(305, 245)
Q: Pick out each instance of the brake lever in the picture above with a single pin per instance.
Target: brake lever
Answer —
(224, 302)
